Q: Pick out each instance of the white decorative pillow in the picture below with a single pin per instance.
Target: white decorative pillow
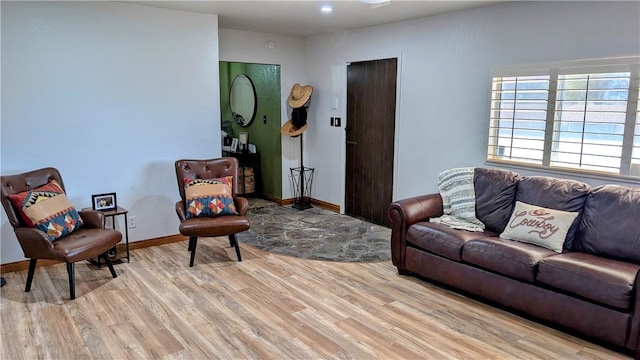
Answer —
(539, 226)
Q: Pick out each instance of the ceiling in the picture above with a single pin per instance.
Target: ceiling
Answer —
(304, 18)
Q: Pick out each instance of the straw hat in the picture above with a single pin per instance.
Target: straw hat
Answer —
(297, 124)
(299, 95)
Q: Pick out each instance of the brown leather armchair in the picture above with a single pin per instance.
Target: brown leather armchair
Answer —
(90, 241)
(227, 225)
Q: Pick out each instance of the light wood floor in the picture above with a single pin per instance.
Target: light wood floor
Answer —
(266, 307)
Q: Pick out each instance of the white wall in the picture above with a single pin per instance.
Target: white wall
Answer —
(249, 47)
(111, 94)
(444, 80)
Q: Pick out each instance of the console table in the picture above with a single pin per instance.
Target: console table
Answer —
(247, 160)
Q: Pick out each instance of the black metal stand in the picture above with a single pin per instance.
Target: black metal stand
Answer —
(113, 214)
(302, 179)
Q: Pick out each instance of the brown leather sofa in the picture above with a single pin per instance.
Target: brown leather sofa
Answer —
(590, 288)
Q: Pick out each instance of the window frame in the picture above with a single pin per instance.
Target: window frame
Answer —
(553, 71)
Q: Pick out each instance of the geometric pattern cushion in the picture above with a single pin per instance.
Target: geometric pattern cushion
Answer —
(47, 209)
(209, 197)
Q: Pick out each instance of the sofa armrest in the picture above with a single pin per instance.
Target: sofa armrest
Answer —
(403, 214)
(633, 338)
(416, 209)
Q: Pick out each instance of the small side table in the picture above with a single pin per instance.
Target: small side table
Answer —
(113, 214)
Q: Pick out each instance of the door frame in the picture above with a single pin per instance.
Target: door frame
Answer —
(343, 112)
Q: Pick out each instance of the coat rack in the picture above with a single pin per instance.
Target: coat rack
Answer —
(302, 179)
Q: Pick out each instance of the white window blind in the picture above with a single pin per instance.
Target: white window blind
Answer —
(582, 116)
(589, 121)
(518, 116)
(635, 157)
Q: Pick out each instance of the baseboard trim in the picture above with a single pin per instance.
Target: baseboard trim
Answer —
(274, 199)
(157, 241)
(24, 264)
(325, 205)
(319, 203)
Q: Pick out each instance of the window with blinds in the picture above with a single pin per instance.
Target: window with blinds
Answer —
(581, 115)
(518, 118)
(635, 157)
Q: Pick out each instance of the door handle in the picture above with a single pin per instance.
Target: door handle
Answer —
(352, 142)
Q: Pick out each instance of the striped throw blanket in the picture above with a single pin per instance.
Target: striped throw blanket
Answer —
(458, 200)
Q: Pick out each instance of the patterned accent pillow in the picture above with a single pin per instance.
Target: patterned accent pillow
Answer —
(539, 226)
(209, 197)
(47, 209)
(458, 194)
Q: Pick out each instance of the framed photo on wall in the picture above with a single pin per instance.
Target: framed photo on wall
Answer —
(104, 202)
(234, 145)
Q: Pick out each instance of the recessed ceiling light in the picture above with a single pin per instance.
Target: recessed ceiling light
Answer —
(376, 3)
(326, 9)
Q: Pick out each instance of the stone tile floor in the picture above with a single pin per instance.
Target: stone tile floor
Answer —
(315, 234)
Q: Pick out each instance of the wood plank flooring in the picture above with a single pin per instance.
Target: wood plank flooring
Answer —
(266, 307)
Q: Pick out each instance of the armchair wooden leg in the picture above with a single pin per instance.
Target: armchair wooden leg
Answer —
(234, 241)
(71, 269)
(109, 264)
(193, 242)
(32, 270)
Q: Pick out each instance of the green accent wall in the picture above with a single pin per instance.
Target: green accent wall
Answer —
(266, 137)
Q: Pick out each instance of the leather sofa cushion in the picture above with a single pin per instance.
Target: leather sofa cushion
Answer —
(506, 257)
(440, 239)
(610, 225)
(558, 194)
(604, 281)
(495, 195)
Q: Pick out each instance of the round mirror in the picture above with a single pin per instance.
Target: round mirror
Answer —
(242, 100)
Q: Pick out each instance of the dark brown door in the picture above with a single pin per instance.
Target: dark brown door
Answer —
(370, 124)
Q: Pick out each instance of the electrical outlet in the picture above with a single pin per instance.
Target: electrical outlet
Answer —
(332, 120)
(132, 222)
(336, 122)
